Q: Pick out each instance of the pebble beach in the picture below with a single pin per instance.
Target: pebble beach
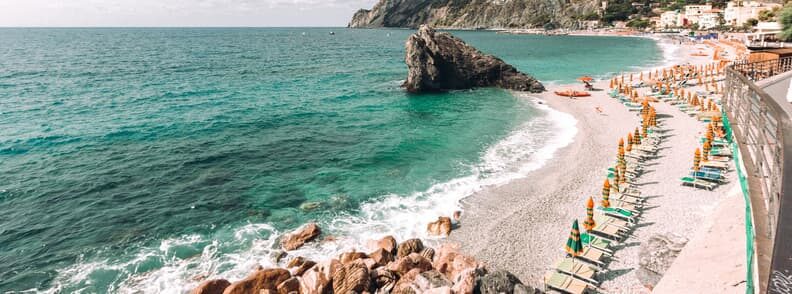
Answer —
(522, 226)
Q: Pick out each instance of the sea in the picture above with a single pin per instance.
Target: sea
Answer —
(145, 160)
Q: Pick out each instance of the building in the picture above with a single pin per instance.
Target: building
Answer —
(670, 19)
(694, 12)
(739, 12)
(709, 19)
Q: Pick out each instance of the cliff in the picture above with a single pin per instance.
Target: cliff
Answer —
(440, 62)
(471, 14)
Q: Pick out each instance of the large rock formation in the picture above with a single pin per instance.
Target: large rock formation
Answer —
(440, 61)
(474, 13)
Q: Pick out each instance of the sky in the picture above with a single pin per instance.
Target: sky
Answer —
(178, 13)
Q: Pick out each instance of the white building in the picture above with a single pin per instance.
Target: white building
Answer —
(738, 12)
(670, 19)
(694, 12)
(709, 19)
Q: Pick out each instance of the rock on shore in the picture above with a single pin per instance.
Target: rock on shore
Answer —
(440, 62)
(411, 271)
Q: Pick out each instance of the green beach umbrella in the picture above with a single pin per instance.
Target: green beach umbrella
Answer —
(606, 187)
(574, 246)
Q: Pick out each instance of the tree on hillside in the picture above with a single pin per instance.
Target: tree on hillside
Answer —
(786, 23)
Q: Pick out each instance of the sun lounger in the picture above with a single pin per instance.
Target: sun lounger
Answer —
(609, 232)
(577, 269)
(619, 213)
(627, 199)
(715, 164)
(697, 183)
(565, 283)
(594, 241)
(602, 219)
(712, 175)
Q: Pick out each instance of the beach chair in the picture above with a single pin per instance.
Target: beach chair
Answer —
(596, 242)
(697, 183)
(593, 256)
(707, 174)
(620, 214)
(628, 198)
(721, 152)
(565, 283)
(716, 165)
(601, 219)
(579, 270)
(609, 232)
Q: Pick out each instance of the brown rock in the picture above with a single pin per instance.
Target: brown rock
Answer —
(464, 282)
(329, 267)
(450, 262)
(388, 243)
(440, 227)
(297, 238)
(351, 278)
(405, 284)
(381, 257)
(348, 257)
(313, 281)
(410, 262)
(428, 253)
(290, 286)
(211, 287)
(300, 270)
(295, 262)
(430, 280)
(438, 290)
(409, 246)
(267, 279)
(383, 279)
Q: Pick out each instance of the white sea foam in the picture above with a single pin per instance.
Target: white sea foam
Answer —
(233, 254)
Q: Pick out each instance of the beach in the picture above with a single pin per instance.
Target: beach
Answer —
(522, 226)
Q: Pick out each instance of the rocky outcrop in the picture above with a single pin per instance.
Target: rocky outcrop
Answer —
(267, 279)
(297, 239)
(441, 62)
(419, 269)
(474, 14)
(211, 287)
(656, 256)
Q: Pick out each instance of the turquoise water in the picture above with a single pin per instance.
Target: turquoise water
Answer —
(145, 159)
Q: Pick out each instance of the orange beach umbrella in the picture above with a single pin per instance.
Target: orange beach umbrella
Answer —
(606, 187)
(589, 223)
(696, 159)
(585, 79)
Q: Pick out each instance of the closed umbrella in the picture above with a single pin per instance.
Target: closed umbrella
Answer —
(696, 159)
(606, 187)
(589, 223)
(637, 137)
(706, 150)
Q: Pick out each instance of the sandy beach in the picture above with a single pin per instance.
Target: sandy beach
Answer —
(522, 226)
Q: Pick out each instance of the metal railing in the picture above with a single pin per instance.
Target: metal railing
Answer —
(760, 70)
(762, 127)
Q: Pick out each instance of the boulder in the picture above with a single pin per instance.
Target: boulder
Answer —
(441, 62)
(266, 279)
(438, 290)
(211, 287)
(351, 278)
(297, 238)
(381, 257)
(328, 267)
(430, 280)
(295, 262)
(449, 261)
(408, 247)
(300, 270)
(501, 282)
(388, 243)
(383, 280)
(440, 227)
(277, 255)
(405, 284)
(315, 281)
(410, 262)
(351, 256)
(289, 286)
(656, 256)
(428, 253)
(465, 282)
